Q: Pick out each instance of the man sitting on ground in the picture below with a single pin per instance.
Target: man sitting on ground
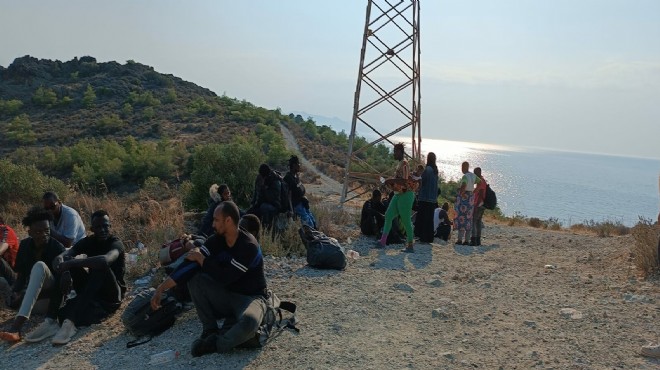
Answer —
(8, 251)
(34, 267)
(98, 280)
(441, 222)
(267, 196)
(67, 226)
(179, 278)
(231, 285)
(372, 217)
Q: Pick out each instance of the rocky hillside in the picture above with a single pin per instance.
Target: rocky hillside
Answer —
(45, 102)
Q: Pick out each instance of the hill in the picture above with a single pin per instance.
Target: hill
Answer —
(106, 125)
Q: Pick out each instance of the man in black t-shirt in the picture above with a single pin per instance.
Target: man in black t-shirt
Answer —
(98, 278)
(231, 284)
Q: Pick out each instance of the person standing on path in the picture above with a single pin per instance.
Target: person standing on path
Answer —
(479, 197)
(402, 202)
(653, 350)
(427, 200)
(464, 204)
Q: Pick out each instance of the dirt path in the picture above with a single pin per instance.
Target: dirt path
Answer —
(326, 186)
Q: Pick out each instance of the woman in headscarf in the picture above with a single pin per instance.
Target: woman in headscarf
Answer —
(401, 204)
(427, 200)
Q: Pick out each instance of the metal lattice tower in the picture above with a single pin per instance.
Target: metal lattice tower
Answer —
(390, 100)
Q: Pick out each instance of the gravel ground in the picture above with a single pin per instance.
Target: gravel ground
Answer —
(448, 307)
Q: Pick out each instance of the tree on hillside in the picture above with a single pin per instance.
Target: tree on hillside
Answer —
(89, 97)
(44, 97)
(20, 130)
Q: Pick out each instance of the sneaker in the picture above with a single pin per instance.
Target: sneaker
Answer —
(46, 329)
(408, 250)
(205, 345)
(11, 337)
(651, 351)
(66, 332)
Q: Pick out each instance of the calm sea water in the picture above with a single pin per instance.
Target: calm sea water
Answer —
(572, 187)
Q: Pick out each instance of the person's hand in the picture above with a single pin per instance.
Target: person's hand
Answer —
(60, 265)
(155, 300)
(196, 256)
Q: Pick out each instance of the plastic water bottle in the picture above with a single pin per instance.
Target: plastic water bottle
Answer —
(352, 254)
(163, 357)
(140, 247)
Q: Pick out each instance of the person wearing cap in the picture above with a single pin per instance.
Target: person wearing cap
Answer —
(67, 226)
(299, 203)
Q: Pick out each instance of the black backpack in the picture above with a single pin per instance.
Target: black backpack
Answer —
(323, 252)
(490, 201)
(273, 323)
(284, 193)
(142, 321)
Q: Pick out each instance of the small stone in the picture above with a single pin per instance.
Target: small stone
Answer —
(435, 282)
(404, 287)
(440, 313)
(447, 355)
(571, 313)
(530, 324)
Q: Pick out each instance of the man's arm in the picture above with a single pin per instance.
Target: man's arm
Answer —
(65, 261)
(163, 287)
(3, 247)
(66, 242)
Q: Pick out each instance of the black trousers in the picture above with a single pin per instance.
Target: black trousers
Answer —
(424, 221)
(7, 272)
(243, 314)
(97, 296)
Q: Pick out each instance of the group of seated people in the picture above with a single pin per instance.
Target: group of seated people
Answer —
(81, 278)
(55, 260)
(269, 200)
(372, 219)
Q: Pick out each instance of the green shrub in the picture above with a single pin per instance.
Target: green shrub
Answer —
(44, 97)
(148, 113)
(20, 130)
(170, 96)
(110, 123)
(10, 107)
(234, 164)
(89, 97)
(26, 183)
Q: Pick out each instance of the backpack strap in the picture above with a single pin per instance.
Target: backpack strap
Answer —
(139, 341)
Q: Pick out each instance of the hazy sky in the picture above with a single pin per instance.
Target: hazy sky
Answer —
(580, 75)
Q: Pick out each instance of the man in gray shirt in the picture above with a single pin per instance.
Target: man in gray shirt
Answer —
(67, 226)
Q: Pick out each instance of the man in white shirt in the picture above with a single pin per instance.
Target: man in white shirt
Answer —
(67, 227)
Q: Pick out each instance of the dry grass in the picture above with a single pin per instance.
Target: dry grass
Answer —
(645, 249)
(602, 229)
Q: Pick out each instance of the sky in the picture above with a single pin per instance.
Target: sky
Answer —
(577, 75)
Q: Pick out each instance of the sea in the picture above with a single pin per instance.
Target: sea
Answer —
(567, 186)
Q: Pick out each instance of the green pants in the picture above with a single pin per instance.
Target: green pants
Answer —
(400, 205)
